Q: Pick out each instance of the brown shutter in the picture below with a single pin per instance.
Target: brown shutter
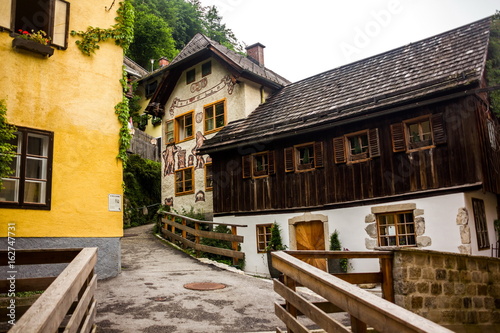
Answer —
(318, 154)
(339, 149)
(438, 129)
(272, 166)
(246, 166)
(5, 14)
(398, 137)
(374, 142)
(289, 165)
(60, 24)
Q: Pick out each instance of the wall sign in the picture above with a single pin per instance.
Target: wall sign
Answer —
(115, 203)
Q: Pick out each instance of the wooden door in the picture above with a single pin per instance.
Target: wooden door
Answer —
(311, 236)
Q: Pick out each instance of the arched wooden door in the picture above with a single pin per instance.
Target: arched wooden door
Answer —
(311, 236)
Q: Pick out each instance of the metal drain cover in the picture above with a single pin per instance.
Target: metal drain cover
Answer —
(204, 286)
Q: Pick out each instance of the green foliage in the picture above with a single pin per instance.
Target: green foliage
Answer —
(275, 243)
(7, 149)
(122, 32)
(336, 245)
(142, 180)
(216, 30)
(123, 112)
(493, 63)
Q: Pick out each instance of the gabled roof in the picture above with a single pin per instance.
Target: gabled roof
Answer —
(134, 68)
(201, 47)
(432, 66)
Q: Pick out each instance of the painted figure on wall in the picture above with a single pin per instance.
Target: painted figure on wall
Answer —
(169, 201)
(181, 159)
(169, 159)
(200, 161)
(200, 196)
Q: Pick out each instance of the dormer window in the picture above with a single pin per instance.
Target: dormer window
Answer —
(51, 16)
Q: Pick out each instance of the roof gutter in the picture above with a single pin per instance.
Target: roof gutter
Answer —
(260, 140)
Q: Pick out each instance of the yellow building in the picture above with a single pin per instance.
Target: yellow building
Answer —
(67, 186)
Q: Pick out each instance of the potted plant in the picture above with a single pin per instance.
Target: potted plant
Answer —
(336, 266)
(275, 244)
(36, 42)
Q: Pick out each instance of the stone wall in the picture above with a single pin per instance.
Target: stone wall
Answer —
(448, 288)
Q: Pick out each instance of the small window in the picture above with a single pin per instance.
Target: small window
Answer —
(356, 147)
(258, 165)
(492, 134)
(215, 116)
(209, 183)
(419, 133)
(190, 76)
(483, 241)
(151, 88)
(51, 16)
(29, 185)
(184, 180)
(304, 157)
(206, 69)
(396, 229)
(263, 236)
(184, 127)
(169, 132)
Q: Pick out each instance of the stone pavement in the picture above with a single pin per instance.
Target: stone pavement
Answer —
(148, 296)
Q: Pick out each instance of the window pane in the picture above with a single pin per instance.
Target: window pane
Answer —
(37, 145)
(414, 133)
(36, 168)
(209, 124)
(10, 192)
(34, 192)
(219, 109)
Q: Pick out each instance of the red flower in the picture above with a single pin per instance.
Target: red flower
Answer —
(25, 33)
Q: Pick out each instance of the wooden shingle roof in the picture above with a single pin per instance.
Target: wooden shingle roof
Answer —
(431, 66)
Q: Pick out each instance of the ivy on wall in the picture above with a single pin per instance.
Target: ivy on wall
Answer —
(493, 63)
(123, 34)
(7, 150)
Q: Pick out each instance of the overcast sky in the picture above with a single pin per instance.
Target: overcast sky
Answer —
(307, 37)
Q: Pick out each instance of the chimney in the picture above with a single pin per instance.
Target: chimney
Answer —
(163, 62)
(255, 52)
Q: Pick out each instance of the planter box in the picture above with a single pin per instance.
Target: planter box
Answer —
(32, 46)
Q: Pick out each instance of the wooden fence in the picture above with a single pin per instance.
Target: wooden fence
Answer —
(67, 303)
(189, 234)
(144, 145)
(364, 308)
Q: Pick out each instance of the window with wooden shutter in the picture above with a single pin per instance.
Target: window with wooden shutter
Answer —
(5, 14)
(374, 142)
(246, 166)
(272, 165)
(60, 24)
(289, 165)
(438, 129)
(318, 154)
(398, 137)
(339, 149)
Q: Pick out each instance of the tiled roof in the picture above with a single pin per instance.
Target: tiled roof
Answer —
(201, 42)
(446, 61)
(134, 68)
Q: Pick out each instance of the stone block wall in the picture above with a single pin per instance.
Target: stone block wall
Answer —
(448, 288)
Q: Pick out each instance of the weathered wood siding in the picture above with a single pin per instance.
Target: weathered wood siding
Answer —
(465, 158)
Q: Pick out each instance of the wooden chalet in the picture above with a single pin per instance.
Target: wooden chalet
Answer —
(399, 149)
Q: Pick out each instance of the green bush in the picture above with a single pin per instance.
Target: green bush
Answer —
(142, 188)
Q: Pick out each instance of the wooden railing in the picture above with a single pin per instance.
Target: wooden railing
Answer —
(365, 309)
(190, 236)
(67, 303)
(383, 277)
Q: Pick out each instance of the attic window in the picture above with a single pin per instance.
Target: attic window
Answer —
(190, 76)
(206, 69)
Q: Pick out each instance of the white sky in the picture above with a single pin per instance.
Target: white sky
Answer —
(307, 37)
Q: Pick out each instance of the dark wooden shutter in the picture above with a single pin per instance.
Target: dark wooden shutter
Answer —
(246, 166)
(318, 154)
(398, 137)
(438, 129)
(289, 165)
(339, 149)
(60, 24)
(5, 14)
(374, 142)
(271, 164)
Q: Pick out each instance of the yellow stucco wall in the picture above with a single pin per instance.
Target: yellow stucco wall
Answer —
(72, 95)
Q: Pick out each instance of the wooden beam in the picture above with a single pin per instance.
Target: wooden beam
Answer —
(82, 307)
(205, 234)
(301, 254)
(292, 324)
(358, 278)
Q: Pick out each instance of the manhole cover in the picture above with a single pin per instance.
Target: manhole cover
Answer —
(204, 286)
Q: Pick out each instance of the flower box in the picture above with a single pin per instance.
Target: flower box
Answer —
(32, 46)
